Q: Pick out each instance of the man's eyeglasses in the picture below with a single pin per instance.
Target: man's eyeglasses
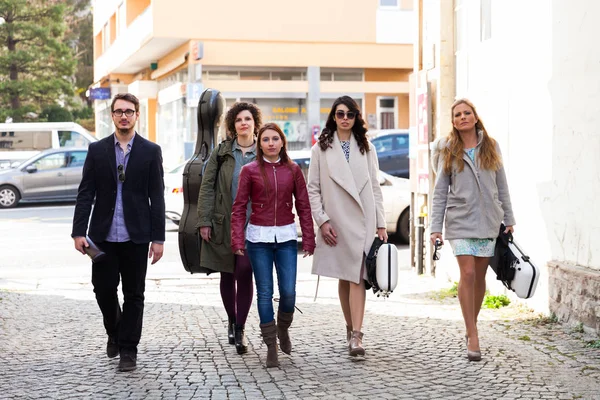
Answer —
(340, 114)
(121, 171)
(119, 113)
(436, 248)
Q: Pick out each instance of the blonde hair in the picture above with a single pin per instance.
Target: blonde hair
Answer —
(453, 152)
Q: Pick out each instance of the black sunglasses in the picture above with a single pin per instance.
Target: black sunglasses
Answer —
(437, 247)
(340, 114)
(121, 170)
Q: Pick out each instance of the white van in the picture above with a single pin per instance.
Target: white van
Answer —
(20, 141)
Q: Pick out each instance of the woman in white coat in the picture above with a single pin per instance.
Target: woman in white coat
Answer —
(347, 205)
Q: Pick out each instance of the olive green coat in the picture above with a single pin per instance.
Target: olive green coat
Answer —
(214, 210)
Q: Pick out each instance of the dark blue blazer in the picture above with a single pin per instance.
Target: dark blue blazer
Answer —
(143, 192)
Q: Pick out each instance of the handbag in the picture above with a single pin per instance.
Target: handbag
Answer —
(382, 268)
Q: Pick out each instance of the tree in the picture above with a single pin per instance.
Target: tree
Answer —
(36, 66)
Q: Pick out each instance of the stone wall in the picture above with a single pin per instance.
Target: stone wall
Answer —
(574, 294)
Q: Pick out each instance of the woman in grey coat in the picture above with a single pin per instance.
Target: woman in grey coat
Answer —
(471, 193)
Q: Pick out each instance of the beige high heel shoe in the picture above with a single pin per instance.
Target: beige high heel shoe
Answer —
(474, 355)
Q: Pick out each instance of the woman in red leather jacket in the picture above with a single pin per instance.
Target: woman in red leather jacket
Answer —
(270, 238)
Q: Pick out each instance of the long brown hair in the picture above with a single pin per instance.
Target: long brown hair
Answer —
(283, 155)
(453, 152)
(358, 130)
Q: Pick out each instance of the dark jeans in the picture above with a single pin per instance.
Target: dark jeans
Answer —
(237, 290)
(127, 262)
(285, 256)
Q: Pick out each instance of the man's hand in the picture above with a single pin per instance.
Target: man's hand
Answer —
(80, 244)
(205, 233)
(156, 252)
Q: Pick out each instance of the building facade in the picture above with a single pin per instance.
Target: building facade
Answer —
(533, 76)
(292, 60)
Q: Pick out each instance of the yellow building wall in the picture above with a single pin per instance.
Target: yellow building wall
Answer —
(401, 107)
(280, 54)
(152, 115)
(314, 21)
(135, 8)
(387, 74)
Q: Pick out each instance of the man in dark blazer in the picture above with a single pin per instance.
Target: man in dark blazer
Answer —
(123, 179)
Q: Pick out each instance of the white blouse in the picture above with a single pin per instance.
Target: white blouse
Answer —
(271, 234)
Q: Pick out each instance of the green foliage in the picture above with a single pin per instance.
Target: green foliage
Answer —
(578, 328)
(595, 344)
(495, 301)
(525, 338)
(36, 66)
(446, 293)
(56, 113)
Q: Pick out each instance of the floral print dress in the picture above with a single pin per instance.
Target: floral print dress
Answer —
(473, 247)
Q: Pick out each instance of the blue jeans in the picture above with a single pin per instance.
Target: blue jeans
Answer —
(285, 256)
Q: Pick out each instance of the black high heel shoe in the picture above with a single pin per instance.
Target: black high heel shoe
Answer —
(241, 344)
(230, 331)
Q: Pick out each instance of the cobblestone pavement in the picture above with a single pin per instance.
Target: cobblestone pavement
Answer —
(52, 345)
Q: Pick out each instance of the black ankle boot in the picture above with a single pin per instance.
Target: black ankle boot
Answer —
(241, 345)
(230, 329)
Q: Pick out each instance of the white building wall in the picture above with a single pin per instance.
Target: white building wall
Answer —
(536, 86)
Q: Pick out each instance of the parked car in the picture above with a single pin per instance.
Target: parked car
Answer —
(52, 175)
(174, 193)
(392, 150)
(396, 197)
(20, 141)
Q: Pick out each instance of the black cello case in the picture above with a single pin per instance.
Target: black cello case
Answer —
(210, 109)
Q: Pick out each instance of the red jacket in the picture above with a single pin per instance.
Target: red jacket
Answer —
(274, 209)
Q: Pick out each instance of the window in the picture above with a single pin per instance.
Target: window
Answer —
(77, 158)
(253, 76)
(486, 19)
(53, 161)
(388, 3)
(401, 142)
(386, 112)
(384, 144)
(347, 76)
(72, 139)
(121, 19)
(29, 140)
(326, 76)
(105, 37)
(287, 76)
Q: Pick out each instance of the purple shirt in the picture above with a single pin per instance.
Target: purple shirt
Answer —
(118, 230)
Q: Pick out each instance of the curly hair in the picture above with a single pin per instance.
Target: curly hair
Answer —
(233, 112)
(358, 130)
(453, 152)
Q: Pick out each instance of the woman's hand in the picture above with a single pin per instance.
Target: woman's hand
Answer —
(239, 252)
(436, 235)
(509, 229)
(382, 234)
(329, 234)
(307, 253)
(205, 233)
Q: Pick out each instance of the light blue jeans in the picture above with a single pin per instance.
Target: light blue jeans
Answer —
(285, 257)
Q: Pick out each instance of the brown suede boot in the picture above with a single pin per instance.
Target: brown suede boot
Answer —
(356, 348)
(269, 334)
(348, 335)
(284, 320)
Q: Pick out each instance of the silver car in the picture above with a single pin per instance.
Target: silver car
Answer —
(52, 175)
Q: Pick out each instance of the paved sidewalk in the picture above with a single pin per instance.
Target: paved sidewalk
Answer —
(52, 345)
